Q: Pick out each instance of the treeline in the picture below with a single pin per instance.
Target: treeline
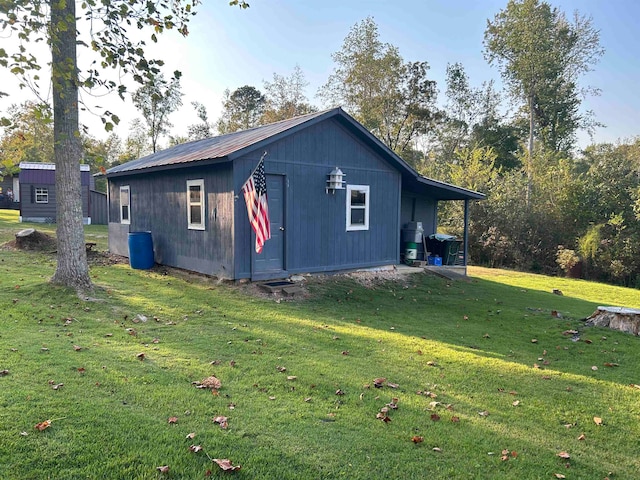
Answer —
(550, 208)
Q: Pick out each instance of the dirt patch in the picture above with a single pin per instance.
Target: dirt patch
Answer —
(35, 242)
(103, 259)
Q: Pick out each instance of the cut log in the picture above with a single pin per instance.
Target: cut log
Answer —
(617, 318)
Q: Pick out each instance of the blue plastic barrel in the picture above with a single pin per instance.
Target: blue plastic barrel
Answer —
(141, 250)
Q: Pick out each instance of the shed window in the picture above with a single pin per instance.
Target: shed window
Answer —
(195, 204)
(357, 207)
(125, 205)
(42, 195)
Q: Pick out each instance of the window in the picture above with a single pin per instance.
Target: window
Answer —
(357, 207)
(42, 195)
(195, 204)
(125, 205)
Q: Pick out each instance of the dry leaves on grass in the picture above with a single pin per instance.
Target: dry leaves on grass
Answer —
(43, 425)
(173, 420)
(222, 421)
(226, 465)
(417, 439)
(210, 382)
(163, 469)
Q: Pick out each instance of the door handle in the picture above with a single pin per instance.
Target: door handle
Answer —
(282, 229)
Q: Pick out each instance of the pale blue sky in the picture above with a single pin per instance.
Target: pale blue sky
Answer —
(229, 48)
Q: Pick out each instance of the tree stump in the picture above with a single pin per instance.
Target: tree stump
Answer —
(617, 318)
(31, 239)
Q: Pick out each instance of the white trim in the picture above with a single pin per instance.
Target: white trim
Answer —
(44, 193)
(359, 188)
(202, 225)
(47, 166)
(127, 188)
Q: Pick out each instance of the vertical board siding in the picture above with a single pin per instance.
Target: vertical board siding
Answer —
(425, 211)
(315, 221)
(98, 207)
(159, 205)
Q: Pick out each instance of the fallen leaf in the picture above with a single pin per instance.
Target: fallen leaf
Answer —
(222, 421)
(77, 348)
(431, 363)
(417, 439)
(597, 420)
(379, 382)
(43, 425)
(594, 368)
(559, 475)
(582, 437)
(81, 370)
(173, 420)
(534, 340)
(57, 386)
(345, 352)
(383, 416)
(211, 382)
(281, 369)
(455, 419)
(484, 413)
(4, 372)
(226, 465)
(195, 448)
(392, 385)
(564, 455)
(308, 399)
(292, 377)
(435, 417)
(163, 469)
(191, 436)
(516, 403)
(437, 449)
(24, 434)
(486, 335)
(339, 392)
(608, 364)
(140, 356)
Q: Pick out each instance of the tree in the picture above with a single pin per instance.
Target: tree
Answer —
(200, 130)
(541, 56)
(56, 21)
(136, 145)
(241, 110)
(285, 97)
(101, 155)
(156, 100)
(393, 99)
(28, 137)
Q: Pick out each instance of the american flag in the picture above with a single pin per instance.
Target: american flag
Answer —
(255, 194)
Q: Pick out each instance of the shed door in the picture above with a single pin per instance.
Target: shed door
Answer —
(270, 263)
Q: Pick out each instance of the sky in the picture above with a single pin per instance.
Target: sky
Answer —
(229, 47)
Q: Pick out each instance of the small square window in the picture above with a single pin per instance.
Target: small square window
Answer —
(357, 207)
(195, 204)
(125, 205)
(42, 195)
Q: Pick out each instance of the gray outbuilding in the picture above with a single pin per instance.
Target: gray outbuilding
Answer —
(189, 197)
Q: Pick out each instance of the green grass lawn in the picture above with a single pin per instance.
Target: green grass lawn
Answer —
(475, 368)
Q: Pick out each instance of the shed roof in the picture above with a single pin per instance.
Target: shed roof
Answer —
(227, 147)
(46, 166)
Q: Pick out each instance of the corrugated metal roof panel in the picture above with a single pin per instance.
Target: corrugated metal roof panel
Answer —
(215, 147)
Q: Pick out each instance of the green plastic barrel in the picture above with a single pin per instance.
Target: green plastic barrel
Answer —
(411, 251)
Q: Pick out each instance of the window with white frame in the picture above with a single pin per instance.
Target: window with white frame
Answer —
(195, 204)
(357, 207)
(125, 205)
(42, 195)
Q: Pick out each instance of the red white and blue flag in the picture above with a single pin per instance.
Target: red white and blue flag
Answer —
(255, 195)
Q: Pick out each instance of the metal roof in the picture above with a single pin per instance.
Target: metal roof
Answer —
(229, 146)
(46, 166)
(215, 147)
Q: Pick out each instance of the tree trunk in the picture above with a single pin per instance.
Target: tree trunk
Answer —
(72, 269)
(530, 153)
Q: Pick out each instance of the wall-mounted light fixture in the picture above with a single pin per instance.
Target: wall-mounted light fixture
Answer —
(335, 180)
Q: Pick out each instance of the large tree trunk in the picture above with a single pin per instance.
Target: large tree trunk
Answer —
(72, 269)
